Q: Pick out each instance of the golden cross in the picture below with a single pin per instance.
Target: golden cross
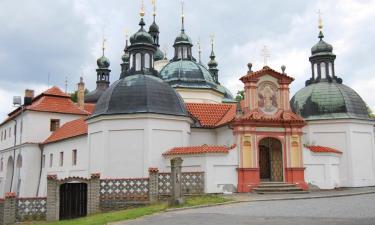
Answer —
(142, 13)
(266, 54)
(320, 22)
(154, 4)
(182, 8)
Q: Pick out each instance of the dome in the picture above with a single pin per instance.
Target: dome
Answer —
(182, 38)
(93, 96)
(154, 28)
(328, 100)
(159, 55)
(103, 62)
(188, 74)
(321, 46)
(212, 63)
(140, 94)
(141, 37)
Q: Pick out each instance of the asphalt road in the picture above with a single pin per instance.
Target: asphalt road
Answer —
(356, 210)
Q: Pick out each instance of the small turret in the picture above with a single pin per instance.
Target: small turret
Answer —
(212, 64)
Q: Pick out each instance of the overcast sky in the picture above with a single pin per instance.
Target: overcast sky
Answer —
(63, 38)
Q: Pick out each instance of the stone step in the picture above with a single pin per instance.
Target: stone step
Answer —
(273, 189)
(271, 185)
(283, 192)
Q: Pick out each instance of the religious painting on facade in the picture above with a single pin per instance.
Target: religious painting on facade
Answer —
(267, 97)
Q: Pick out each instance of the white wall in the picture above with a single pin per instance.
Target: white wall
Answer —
(25, 177)
(127, 145)
(67, 169)
(200, 96)
(219, 136)
(322, 169)
(355, 138)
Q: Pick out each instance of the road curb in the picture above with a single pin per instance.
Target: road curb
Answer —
(270, 199)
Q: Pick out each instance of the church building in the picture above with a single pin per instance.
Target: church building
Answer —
(160, 108)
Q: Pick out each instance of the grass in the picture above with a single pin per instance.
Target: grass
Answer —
(133, 213)
(204, 200)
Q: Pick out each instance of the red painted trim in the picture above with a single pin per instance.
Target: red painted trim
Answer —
(296, 175)
(248, 178)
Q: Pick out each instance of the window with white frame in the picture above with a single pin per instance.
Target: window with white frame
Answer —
(74, 157)
(50, 160)
(61, 162)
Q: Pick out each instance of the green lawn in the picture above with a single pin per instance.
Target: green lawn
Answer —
(133, 213)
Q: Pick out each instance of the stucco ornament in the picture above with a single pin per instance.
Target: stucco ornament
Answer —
(267, 98)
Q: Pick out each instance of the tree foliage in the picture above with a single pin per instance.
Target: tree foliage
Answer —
(240, 95)
(74, 95)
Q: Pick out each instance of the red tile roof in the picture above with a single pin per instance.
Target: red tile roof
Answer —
(194, 150)
(89, 107)
(212, 115)
(250, 76)
(52, 100)
(323, 149)
(68, 130)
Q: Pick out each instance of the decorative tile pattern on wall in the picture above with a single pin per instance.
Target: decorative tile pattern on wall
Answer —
(31, 209)
(125, 189)
(192, 183)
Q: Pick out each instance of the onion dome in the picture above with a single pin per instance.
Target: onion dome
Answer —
(140, 94)
(159, 55)
(325, 97)
(103, 62)
(183, 38)
(321, 46)
(328, 100)
(154, 28)
(142, 36)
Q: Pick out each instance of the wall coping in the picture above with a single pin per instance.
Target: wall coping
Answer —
(140, 178)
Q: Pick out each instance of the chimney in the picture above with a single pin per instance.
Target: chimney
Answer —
(29, 96)
(81, 94)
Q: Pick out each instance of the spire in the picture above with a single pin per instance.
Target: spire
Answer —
(320, 25)
(103, 45)
(199, 50)
(212, 64)
(154, 8)
(182, 17)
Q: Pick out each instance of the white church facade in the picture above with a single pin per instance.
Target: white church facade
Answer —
(160, 109)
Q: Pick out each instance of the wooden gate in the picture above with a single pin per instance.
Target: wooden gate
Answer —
(73, 200)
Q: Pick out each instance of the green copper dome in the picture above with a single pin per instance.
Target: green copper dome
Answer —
(142, 36)
(188, 74)
(159, 55)
(183, 38)
(328, 100)
(321, 46)
(154, 28)
(103, 62)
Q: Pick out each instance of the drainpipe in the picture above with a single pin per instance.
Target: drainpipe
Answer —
(41, 147)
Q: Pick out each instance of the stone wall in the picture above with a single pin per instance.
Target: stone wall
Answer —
(31, 209)
(1, 211)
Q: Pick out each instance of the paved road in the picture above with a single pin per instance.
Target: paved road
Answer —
(353, 210)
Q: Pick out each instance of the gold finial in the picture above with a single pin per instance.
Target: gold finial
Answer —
(165, 51)
(142, 13)
(320, 21)
(265, 54)
(154, 5)
(103, 44)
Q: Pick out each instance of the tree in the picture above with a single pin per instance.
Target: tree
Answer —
(370, 112)
(240, 96)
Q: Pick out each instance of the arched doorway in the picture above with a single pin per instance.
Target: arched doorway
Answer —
(270, 160)
(9, 174)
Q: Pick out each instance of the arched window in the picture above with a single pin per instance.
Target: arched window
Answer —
(323, 71)
(131, 62)
(315, 70)
(138, 62)
(329, 69)
(180, 52)
(185, 52)
(147, 61)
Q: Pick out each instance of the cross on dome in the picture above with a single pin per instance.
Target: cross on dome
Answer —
(265, 53)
